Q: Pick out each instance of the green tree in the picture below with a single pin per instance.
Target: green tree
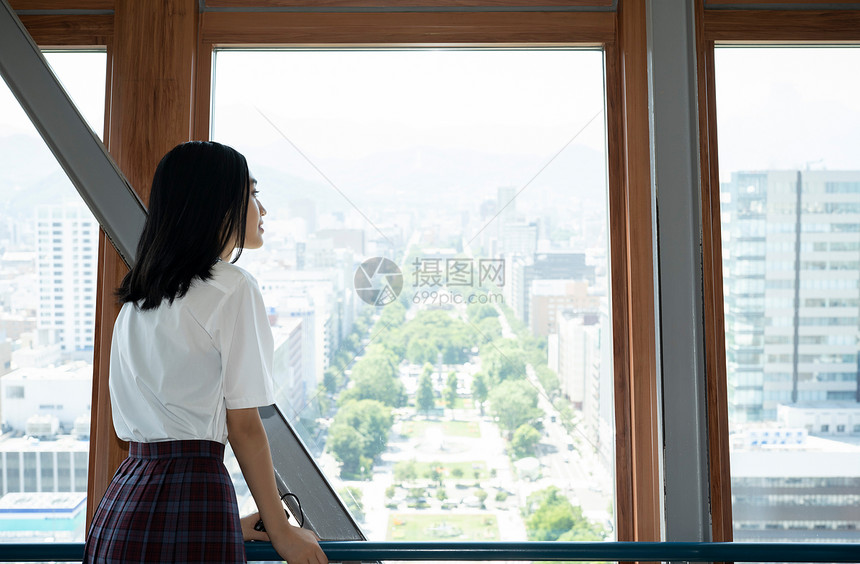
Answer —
(424, 399)
(490, 329)
(372, 420)
(419, 351)
(551, 517)
(565, 412)
(331, 379)
(441, 494)
(393, 315)
(323, 398)
(435, 473)
(479, 390)
(548, 379)
(345, 443)
(481, 495)
(376, 376)
(503, 360)
(514, 403)
(524, 440)
(451, 390)
(351, 342)
(405, 471)
(433, 332)
(479, 312)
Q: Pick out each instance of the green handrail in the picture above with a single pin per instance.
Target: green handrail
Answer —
(370, 551)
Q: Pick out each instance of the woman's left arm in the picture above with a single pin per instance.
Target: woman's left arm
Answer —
(251, 446)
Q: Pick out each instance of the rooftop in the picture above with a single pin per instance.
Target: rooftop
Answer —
(78, 370)
(42, 502)
(63, 443)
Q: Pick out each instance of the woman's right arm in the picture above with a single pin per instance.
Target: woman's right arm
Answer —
(251, 446)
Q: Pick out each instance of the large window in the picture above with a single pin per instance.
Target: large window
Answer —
(436, 268)
(790, 203)
(48, 260)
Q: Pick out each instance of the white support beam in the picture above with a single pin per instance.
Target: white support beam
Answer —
(676, 183)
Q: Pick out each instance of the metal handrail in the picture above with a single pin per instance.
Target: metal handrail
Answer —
(371, 551)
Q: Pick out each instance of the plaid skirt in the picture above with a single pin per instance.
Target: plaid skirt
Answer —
(168, 502)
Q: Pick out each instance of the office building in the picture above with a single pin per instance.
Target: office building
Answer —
(28, 465)
(62, 392)
(555, 265)
(805, 491)
(291, 393)
(548, 297)
(66, 258)
(791, 271)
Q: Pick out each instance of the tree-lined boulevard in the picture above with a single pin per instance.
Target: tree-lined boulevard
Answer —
(443, 428)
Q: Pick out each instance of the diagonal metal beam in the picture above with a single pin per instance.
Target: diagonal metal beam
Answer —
(79, 151)
(296, 471)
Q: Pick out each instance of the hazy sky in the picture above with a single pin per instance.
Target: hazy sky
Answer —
(337, 103)
(83, 77)
(784, 108)
(777, 108)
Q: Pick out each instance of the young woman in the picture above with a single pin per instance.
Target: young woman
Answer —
(191, 361)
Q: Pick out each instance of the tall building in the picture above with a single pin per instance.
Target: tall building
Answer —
(66, 259)
(518, 238)
(791, 257)
(506, 204)
(291, 394)
(578, 353)
(581, 354)
(548, 297)
(523, 271)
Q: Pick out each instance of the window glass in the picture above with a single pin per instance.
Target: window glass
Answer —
(47, 315)
(436, 272)
(790, 205)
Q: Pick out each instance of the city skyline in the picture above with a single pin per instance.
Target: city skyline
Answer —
(538, 221)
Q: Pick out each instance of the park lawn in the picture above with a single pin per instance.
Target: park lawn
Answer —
(469, 429)
(441, 526)
(459, 403)
(469, 467)
(417, 428)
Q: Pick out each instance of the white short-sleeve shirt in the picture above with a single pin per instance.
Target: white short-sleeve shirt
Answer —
(176, 369)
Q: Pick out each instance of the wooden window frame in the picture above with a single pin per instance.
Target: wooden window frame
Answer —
(638, 512)
(802, 25)
(636, 402)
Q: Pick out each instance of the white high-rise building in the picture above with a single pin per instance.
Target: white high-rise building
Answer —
(66, 260)
(791, 255)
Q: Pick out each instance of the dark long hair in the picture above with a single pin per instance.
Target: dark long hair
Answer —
(197, 208)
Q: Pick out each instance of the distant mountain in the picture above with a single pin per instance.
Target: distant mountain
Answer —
(410, 178)
(428, 176)
(30, 176)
